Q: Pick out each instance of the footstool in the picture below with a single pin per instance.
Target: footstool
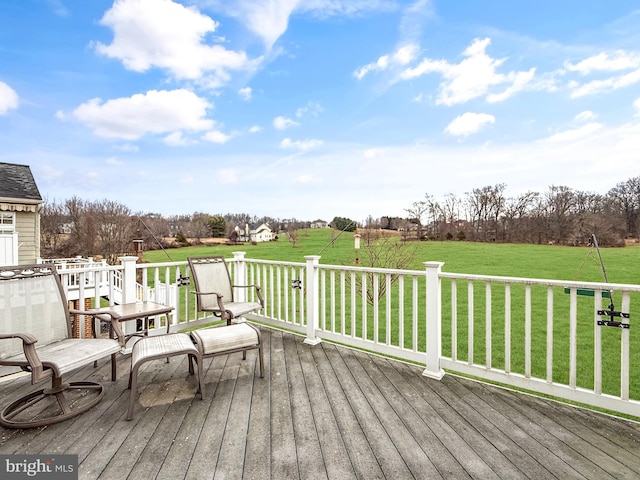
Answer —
(162, 346)
(237, 337)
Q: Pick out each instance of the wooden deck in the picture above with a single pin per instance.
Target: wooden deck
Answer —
(325, 412)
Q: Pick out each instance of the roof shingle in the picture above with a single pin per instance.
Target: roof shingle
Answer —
(16, 182)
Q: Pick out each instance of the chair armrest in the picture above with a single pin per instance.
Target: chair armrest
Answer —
(205, 293)
(258, 293)
(27, 338)
(30, 353)
(105, 317)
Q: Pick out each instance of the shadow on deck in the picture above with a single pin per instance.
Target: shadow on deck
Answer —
(325, 412)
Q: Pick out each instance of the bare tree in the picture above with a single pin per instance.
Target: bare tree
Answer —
(292, 233)
(626, 202)
(52, 221)
(383, 251)
(485, 207)
(416, 213)
(82, 235)
(113, 226)
(560, 202)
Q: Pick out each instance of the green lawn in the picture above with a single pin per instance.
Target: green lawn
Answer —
(515, 260)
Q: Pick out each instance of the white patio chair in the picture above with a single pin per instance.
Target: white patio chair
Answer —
(35, 335)
(215, 291)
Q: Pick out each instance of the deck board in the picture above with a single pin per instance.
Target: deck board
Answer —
(324, 411)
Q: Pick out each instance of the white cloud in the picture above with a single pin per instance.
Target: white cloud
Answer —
(305, 178)
(216, 136)
(311, 108)
(58, 8)
(401, 57)
(154, 112)
(518, 81)
(472, 77)
(255, 129)
(114, 161)
(127, 147)
(619, 60)
(176, 139)
(414, 18)
(269, 19)
(373, 153)
(469, 123)
(170, 36)
(636, 105)
(302, 145)
(604, 86)
(8, 98)
(282, 123)
(576, 134)
(245, 93)
(585, 116)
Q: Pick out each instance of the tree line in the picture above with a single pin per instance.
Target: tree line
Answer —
(560, 215)
(107, 228)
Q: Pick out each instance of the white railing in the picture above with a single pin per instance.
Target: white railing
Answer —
(535, 334)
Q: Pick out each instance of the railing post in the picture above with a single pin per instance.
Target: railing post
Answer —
(434, 320)
(239, 276)
(312, 299)
(129, 287)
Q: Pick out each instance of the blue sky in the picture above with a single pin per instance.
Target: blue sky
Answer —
(318, 108)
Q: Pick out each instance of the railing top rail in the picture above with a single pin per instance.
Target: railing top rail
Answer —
(271, 262)
(546, 282)
(372, 270)
(96, 267)
(179, 263)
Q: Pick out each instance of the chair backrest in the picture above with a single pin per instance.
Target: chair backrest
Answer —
(32, 301)
(211, 274)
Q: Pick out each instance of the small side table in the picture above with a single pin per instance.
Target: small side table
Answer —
(130, 311)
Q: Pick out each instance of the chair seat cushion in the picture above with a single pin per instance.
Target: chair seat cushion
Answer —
(240, 308)
(67, 355)
(228, 337)
(161, 346)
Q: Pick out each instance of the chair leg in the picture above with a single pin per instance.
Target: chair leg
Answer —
(198, 360)
(261, 360)
(133, 386)
(113, 367)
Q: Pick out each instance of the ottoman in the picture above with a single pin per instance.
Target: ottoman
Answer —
(162, 346)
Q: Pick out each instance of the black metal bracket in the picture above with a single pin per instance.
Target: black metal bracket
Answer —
(611, 313)
(296, 284)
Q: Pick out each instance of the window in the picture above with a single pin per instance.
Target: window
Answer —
(7, 223)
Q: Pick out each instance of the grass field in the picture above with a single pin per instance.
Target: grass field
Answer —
(515, 260)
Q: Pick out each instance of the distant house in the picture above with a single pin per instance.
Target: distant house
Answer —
(20, 203)
(257, 233)
(319, 224)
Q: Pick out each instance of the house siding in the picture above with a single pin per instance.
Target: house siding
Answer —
(28, 228)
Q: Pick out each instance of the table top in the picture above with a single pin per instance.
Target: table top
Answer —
(132, 311)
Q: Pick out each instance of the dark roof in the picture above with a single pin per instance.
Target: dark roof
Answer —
(16, 181)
